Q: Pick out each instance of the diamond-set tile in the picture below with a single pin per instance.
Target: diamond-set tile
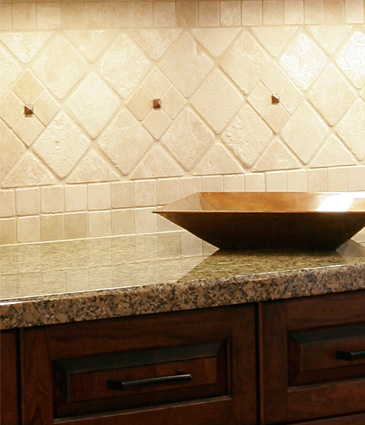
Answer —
(331, 95)
(11, 109)
(61, 145)
(215, 40)
(157, 122)
(155, 42)
(28, 129)
(274, 38)
(304, 132)
(247, 136)
(351, 59)
(185, 65)
(332, 151)
(303, 61)
(27, 88)
(245, 62)
(25, 45)
(59, 67)
(93, 104)
(9, 71)
(125, 141)
(124, 65)
(11, 149)
(217, 100)
(187, 138)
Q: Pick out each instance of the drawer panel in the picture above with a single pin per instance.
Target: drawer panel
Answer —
(327, 354)
(140, 378)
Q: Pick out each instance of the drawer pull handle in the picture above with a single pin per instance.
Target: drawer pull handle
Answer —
(350, 355)
(124, 385)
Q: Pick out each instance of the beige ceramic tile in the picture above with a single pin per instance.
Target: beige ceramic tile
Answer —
(297, 181)
(273, 12)
(218, 160)
(99, 223)
(230, 13)
(145, 193)
(10, 71)
(337, 179)
(186, 14)
(187, 138)
(12, 109)
(157, 122)
(7, 203)
(48, 16)
(28, 229)
(189, 185)
(12, 146)
(27, 201)
(215, 40)
(255, 182)
(141, 14)
(123, 222)
(28, 88)
(76, 198)
(293, 12)
(167, 191)
(212, 183)
(7, 231)
(23, 16)
(356, 177)
(334, 11)
(277, 157)
(332, 153)
(5, 17)
(317, 180)
(117, 14)
(251, 12)
(276, 181)
(98, 196)
(122, 195)
(28, 129)
(145, 220)
(314, 11)
(45, 107)
(51, 227)
(354, 10)
(234, 183)
(94, 15)
(164, 14)
(52, 199)
(76, 225)
(208, 13)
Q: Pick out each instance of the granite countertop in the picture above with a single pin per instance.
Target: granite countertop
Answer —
(69, 281)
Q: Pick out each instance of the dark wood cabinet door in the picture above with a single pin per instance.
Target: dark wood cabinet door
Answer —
(312, 358)
(193, 367)
(8, 378)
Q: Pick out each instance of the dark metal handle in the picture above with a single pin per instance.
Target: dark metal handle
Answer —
(350, 355)
(124, 385)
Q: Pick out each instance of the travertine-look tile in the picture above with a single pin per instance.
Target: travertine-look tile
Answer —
(23, 16)
(189, 185)
(27, 201)
(164, 14)
(11, 109)
(255, 182)
(117, 14)
(27, 88)
(75, 198)
(251, 12)
(356, 176)
(303, 61)
(51, 227)
(7, 203)
(48, 16)
(76, 225)
(91, 43)
(157, 122)
(332, 152)
(337, 179)
(331, 103)
(98, 196)
(92, 168)
(230, 13)
(276, 157)
(145, 221)
(354, 10)
(172, 102)
(156, 163)
(29, 171)
(218, 161)
(52, 199)
(124, 65)
(145, 193)
(273, 12)
(234, 183)
(141, 14)
(122, 195)
(187, 138)
(7, 231)
(45, 107)
(5, 16)
(212, 184)
(216, 40)
(59, 67)
(123, 222)
(351, 129)
(28, 229)
(156, 84)
(314, 11)
(293, 12)
(9, 71)
(155, 42)
(217, 100)
(351, 59)
(99, 223)
(93, 104)
(61, 145)
(28, 129)
(186, 13)
(276, 116)
(304, 132)
(208, 13)
(245, 62)
(185, 65)
(334, 11)
(167, 191)
(247, 136)
(297, 181)
(140, 104)
(276, 181)
(11, 149)
(329, 37)
(317, 180)
(116, 142)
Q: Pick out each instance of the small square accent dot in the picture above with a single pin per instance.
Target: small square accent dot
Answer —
(156, 103)
(28, 110)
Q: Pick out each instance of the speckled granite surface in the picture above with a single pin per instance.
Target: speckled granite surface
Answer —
(70, 281)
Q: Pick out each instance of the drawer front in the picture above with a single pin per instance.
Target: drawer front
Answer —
(140, 378)
(194, 367)
(314, 364)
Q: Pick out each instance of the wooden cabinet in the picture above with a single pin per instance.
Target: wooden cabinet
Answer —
(312, 359)
(299, 361)
(8, 378)
(189, 367)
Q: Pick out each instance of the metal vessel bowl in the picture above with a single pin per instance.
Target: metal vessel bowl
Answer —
(270, 220)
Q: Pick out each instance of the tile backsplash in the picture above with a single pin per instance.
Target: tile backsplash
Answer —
(254, 95)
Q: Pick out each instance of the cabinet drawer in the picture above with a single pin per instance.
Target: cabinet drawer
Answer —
(140, 378)
(312, 357)
(194, 367)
